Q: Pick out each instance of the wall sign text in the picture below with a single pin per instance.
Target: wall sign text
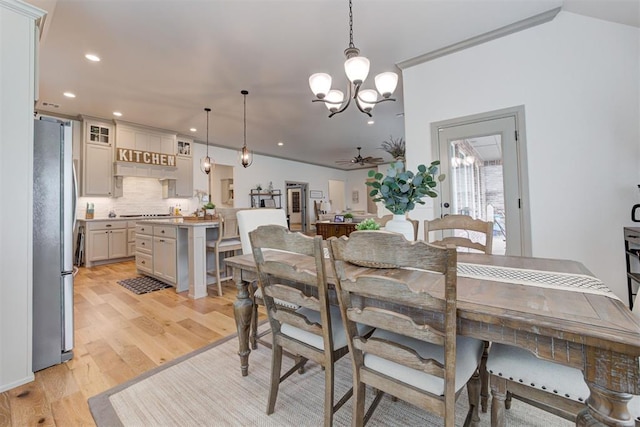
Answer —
(145, 157)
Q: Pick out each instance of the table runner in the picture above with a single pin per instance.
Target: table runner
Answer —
(544, 279)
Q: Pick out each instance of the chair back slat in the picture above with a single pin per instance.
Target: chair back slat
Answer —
(464, 223)
(379, 250)
(393, 287)
(292, 295)
(396, 322)
(392, 351)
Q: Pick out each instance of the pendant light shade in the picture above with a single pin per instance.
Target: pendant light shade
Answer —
(206, 164)
(246, 156)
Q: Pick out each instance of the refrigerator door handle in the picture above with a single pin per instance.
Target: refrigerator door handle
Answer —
(74, 196)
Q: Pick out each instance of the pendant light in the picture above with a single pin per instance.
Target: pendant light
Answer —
(246, 156)
(206, 163)
(356, 68)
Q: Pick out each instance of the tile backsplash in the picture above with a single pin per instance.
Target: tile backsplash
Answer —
(139, 196)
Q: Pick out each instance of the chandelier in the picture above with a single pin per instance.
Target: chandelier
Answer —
(357, 68)
(246, 156)
(206, 163)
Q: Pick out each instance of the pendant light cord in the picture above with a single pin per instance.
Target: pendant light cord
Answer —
(207, 110)
(245, 118)
(351, 45)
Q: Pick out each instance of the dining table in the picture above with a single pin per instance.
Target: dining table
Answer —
(554, 308)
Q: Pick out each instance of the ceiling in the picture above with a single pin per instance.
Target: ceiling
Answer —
(164, 61)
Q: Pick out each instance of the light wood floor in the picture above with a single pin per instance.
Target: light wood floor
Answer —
(118, 335)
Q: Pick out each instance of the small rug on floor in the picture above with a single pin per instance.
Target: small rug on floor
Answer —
(205, 388)
(143, 285)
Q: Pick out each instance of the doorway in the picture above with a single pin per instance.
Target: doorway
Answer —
(484, 159)
(297, 206)
(336, 195)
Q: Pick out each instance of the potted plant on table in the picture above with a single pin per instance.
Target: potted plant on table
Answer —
(368, 224)
(209, 209)
(348, 217)
(401, 190)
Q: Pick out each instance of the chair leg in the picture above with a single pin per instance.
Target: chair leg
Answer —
(484, 378)
(507, 402)
(357, 419)
(473, 391)
(499, 393)
(253, 338)
(218, 262)
(276, 367)
(328, 393)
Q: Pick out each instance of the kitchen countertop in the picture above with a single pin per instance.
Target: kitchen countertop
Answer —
(180, 222)
(130, 218)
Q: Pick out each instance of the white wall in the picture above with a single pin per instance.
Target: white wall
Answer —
(578, 79)
(17, 42)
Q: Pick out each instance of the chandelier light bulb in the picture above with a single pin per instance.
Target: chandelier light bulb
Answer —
(334, 100)
(357, 69)
(320, 84)
(386, 83)
(367, 99)
(205, 164)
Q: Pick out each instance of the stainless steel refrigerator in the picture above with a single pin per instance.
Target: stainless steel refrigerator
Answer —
(54, 199)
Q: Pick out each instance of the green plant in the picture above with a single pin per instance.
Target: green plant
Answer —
(348, 215)
(395, 147)
(400, 190)
(209, 206)
(368, 224)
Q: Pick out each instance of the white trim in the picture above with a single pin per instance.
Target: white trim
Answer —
(532, 21)
(24, 9)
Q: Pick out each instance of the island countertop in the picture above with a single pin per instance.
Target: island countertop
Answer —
(180, 222)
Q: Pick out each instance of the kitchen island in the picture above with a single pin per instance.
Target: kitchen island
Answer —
(175, 252)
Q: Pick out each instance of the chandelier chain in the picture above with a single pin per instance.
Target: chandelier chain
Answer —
(351, 45)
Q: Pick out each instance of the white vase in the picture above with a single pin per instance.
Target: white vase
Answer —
(399, 224)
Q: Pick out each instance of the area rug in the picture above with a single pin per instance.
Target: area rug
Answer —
(205, 388)
(143, 285)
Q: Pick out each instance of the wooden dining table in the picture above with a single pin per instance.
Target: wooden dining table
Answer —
(579, 326)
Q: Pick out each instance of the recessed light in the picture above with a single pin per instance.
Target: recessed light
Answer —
(117, 113)
(280, 144)
(92, 57)
(193, 130)
(370, 122)
(69, 95)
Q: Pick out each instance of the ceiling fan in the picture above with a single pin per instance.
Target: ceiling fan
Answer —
(362, 161)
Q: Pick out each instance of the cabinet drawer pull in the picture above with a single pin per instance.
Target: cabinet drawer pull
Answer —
(108, 225)
(161, 240)
(143, 262)
(162, 231)
(632, 236)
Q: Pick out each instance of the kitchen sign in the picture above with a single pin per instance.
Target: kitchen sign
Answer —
(145, 157)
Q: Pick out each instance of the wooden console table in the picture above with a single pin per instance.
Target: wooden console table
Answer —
(334, 229)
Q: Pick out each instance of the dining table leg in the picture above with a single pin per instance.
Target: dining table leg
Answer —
(605, 408)
(242, 310)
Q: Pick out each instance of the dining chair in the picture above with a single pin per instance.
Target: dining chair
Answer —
(249, 220)
(554, 388)
(474, 229)
(296, 273)
(228, 241)
(407, 292)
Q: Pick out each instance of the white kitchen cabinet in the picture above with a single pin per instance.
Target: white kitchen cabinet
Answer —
(97, 159)
(144, 249)
(106, 241)
(182, 186)
(164, 259)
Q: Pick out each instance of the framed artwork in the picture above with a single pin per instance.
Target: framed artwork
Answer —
(184, 148)
(269, 203)
(355, 196)
(315, 194)
(338, 218)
